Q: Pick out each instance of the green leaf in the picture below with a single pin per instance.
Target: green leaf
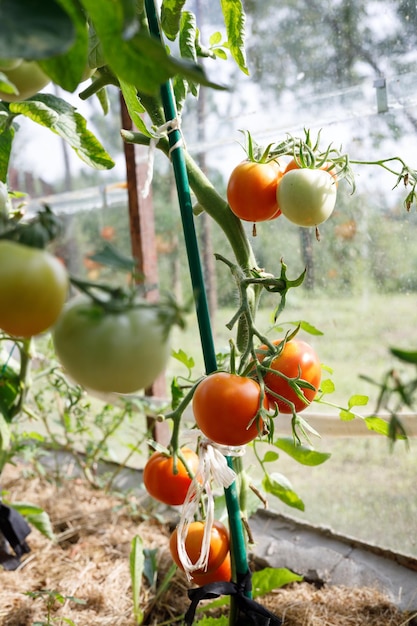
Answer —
(187, 43)
(377, 425)
(36, 517)
(6, 140)
(234, 19)
(10, 389)
(307, 327)
(346, 416)
(184, 358)
(408, 356)
(270, 457)
(150, 569)
(136, 564)
(134, 107)
(34, 30)
(67, 69)
(327, 386)
(215, 38)
(358, 400)
(63, 119)
(109, 256)
(271, 578)
(141, 60)
(171, 16)
(306, 455)
(223, 620)
(278, 485)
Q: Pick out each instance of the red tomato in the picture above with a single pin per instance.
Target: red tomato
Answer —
(160, 481)
(252, 191)
(225, 406)
(297, 359)
(219, 545)
(222, 573)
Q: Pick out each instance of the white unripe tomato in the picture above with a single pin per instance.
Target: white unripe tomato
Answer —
(307, 197)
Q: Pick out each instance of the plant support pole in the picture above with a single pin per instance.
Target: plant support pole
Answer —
(184, 196)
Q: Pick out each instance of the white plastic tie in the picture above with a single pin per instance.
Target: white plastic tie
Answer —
(212, 469)
(165, 129)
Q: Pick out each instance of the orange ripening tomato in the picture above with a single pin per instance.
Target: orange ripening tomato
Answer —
(162, 483)
(252, 191)
(297, 360)
(219, 545)
(222, 573)
(225, 406)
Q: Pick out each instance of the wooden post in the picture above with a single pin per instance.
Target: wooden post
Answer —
(142, 236)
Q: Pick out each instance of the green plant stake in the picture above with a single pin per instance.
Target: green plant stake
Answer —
(238, 544)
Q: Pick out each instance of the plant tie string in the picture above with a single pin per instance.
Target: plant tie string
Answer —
(212, 468)
(164, 129)
(254, 612)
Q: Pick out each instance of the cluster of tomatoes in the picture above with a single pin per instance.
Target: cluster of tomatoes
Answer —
(225, 408)
(168, 481)
(262, 191)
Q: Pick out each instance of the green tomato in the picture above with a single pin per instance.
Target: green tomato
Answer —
(121, 352)
(28, 78)
(307, 197)
(33, 289)
(9, 64)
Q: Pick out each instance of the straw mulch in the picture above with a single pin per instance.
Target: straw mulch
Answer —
(90, 562)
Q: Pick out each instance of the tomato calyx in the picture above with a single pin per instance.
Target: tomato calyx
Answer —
(43, 228)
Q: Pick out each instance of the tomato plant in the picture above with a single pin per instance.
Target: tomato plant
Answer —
(109, 350)
(297, 360)
(306, 196)
(219, 545)
(226, 406)
(222, 573)
(33, 289)
(165, 484)
(28, 78)
(252, 190)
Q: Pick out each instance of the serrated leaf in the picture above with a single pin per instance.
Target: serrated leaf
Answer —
(34, 30)
(136, 564)
(62, 118)
(408, 356)
(278, 485)
(234, 19)
(270, 578)
(171, 17)
(358, 400)
(306, 455)
(377, 425)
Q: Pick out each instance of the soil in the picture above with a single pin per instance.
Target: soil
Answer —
(88, 566)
